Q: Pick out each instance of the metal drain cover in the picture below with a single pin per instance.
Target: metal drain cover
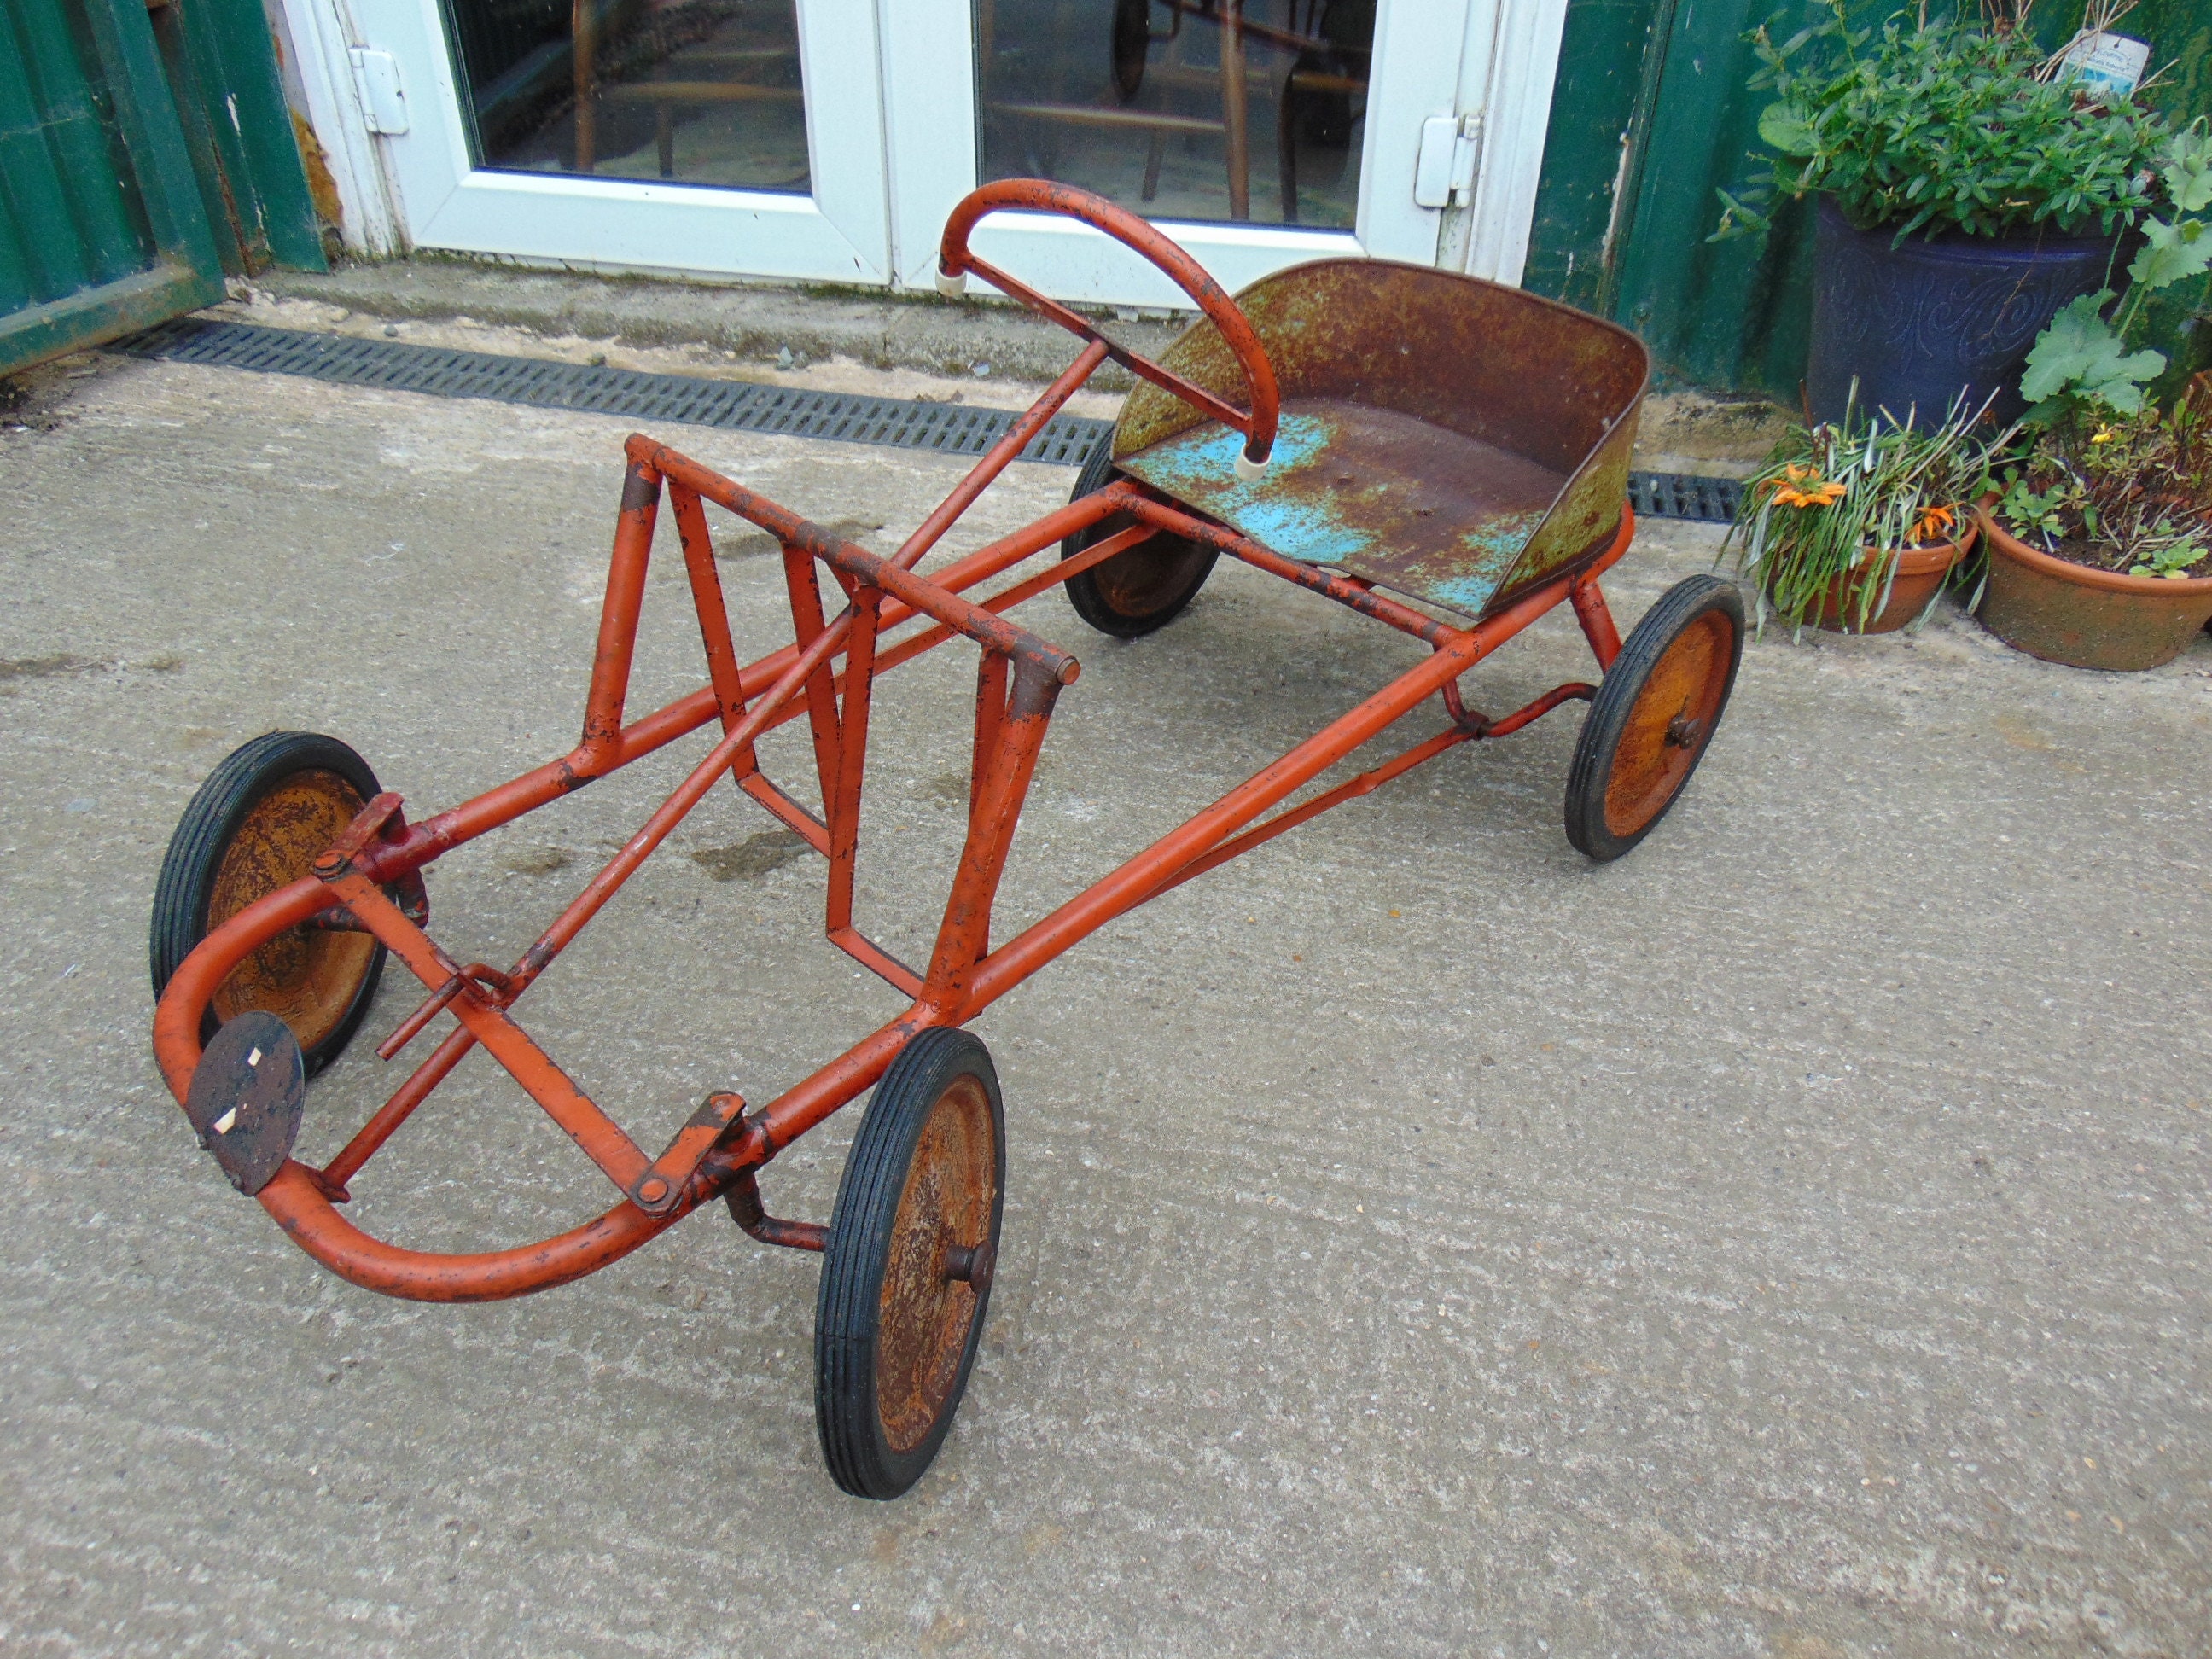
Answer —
(733, 406)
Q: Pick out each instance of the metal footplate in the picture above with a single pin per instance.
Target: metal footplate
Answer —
(246, 1097)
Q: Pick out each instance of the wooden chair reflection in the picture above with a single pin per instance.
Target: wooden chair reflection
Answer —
(710, 77)
(1322, 69)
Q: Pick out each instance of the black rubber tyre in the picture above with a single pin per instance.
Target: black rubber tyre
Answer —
(1135, 593)
(1654, 716)
(896, 1322)
(255, 825)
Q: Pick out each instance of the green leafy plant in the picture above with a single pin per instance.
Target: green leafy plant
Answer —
(2081, 364)
(1835, 504)
(2123, 492)
(2175, 560)
(1935, 124)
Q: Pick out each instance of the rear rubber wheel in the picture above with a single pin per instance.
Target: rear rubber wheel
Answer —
(1135, 593)
(1654, 716)
(256, 825)
(906, 1276)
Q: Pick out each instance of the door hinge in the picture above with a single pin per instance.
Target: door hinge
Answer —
(376, 82)
(1444, 174)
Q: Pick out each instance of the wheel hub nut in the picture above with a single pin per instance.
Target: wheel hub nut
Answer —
(973, 1263)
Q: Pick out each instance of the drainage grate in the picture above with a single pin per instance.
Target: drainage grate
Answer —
(1684, 495)
(737, 406)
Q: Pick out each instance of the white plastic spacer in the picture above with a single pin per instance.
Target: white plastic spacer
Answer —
(953, 287)
(1249, 470)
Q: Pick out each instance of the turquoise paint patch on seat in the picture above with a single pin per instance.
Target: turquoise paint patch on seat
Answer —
(1299, 531)
(1378, 493)
(1467, 593)
(1200, 467)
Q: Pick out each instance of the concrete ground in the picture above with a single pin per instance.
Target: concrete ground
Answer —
(1791, 1240)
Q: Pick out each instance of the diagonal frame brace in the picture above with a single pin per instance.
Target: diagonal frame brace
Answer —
(599, 1137)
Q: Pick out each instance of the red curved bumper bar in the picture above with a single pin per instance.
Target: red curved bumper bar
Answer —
(1041, 196)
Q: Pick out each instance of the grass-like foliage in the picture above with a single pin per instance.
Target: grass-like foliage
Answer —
(1924, 124)
(1837, 502)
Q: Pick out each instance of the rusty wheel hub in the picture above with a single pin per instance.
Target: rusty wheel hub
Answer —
(1667, 728)
(308, 977)
(942, 1257)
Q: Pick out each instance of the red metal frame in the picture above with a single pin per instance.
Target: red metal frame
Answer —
(827, 675)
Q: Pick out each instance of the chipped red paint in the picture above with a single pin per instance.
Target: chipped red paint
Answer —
(371, 873)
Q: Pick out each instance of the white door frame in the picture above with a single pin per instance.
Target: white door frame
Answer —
(320, 35)
(892, 142)
(1507, 73)
(930, 125)
(836, 235)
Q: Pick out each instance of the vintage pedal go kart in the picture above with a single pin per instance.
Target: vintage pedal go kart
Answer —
(1359, 429)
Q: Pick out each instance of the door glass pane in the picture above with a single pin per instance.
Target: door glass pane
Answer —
(703, 92)
(1245, 110)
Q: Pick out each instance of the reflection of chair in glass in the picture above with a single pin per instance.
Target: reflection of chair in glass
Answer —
(1132, 39)
(1323, 98)
(710, 77)
(1331, 40)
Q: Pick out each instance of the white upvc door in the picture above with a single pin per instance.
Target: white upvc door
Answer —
(1507, 72)
(836, 231)
(932, 116)
(894, 133)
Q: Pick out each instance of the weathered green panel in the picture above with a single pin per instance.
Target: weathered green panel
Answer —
(15, 267)
(1651, 114)
(222, 68)
(1599, 103)
(1723, 314)
(89, 154)
(100, 232)
(267, 139)
(106, 311)
(67, 212)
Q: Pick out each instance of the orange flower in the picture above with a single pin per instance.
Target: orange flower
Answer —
(1933, 524)
(1802, 486)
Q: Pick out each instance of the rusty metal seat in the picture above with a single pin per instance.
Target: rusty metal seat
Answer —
(1451, 439)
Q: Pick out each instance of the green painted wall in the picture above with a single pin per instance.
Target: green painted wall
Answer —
(1651, 114)
(144, 150)
(222, 70)
(100, 229)
(1599, 103)
(69, 219)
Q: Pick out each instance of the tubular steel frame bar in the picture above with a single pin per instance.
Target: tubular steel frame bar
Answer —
(717, 1152)
(1019, 680)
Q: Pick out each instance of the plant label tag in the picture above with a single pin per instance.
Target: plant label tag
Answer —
(2108, 63)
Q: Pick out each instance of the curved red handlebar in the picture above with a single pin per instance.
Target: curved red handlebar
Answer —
(1044, 196)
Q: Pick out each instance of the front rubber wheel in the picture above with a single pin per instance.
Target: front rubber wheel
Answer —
(1654, 716)
(255, 825)
(1136, 593)
(906, 1276)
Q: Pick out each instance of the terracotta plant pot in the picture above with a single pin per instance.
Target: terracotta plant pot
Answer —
(1920, 572)
(2066, 612)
